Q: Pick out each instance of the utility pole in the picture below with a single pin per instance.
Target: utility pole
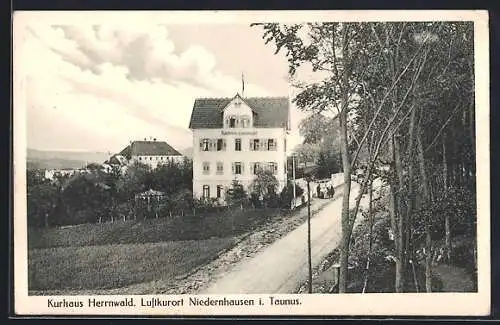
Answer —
(309, 234)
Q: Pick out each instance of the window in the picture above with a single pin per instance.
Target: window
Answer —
(232, 122)
(206, 191)
(256, 168)
(271, 144)
(206, 168)
(219, 191)
(245, 122)
(221, 144)
(237, 168)
(254, 144)
(205, 145)
(140, 158)
(150, 158)
(273, 167)
(220, 168)
(237, 144)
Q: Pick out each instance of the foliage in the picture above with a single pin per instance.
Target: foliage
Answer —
(236, 194)
(42, 199)
(403, 95)
(286, 195)
(100, 194)
(264, 183)
(321, 144)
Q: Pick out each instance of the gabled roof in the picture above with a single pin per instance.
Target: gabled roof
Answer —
(270, 112)
(149, 148)
(117, 160)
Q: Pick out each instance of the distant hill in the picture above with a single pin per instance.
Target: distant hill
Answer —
(51, 159)
(188, 152)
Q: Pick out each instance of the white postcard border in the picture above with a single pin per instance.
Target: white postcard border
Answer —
(456, 304)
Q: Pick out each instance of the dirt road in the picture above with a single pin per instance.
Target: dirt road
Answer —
(283, 266)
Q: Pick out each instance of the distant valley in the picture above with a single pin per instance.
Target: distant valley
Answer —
(52, 159)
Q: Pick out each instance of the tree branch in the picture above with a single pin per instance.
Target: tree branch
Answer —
(387, 95)
(443, 127)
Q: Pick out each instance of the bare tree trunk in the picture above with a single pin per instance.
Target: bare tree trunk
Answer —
(393, 210)
(346, 165)
(447, 225)
(370, 240)
(399, 231)
(408, 250)
(415, 281)
(428, 239)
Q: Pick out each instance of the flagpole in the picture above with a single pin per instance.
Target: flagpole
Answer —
(242, 84)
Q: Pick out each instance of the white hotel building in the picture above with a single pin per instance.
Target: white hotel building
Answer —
(235, 137)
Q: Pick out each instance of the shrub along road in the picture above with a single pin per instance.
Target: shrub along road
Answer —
(282, 266)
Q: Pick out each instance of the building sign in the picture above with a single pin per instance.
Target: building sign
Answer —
(223, 132)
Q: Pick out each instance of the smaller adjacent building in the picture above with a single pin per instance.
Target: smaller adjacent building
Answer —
(148, 152)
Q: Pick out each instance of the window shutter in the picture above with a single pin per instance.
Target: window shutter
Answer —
(251, 144)
(242, 168)
(201, 144)
(233, 169)
(263, 145)
(275, 144)
(252, 168)
(224, 144)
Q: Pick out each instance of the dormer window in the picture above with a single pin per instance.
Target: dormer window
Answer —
(232, 122)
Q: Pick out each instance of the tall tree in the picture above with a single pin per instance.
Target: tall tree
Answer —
(378, 78)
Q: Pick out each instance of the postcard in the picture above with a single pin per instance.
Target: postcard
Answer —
(323, 163)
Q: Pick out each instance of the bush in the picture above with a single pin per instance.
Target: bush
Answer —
(286, 195)
(236, 194)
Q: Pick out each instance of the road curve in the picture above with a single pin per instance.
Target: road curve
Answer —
(282, 266)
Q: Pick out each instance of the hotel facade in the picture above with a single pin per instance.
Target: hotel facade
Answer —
(235, 138)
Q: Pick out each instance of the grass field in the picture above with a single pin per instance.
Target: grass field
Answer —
(126, 254)
(200, 227)
(115, 266)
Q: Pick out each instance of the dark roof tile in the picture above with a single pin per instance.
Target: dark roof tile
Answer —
(270, 112)
(149, 148)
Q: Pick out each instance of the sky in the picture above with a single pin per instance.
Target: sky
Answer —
(98, 87)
